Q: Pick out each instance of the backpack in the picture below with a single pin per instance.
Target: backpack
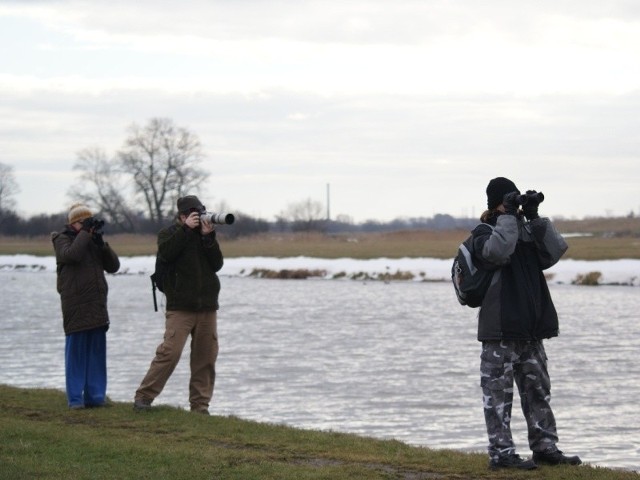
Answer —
(162, 269)
(470, 281)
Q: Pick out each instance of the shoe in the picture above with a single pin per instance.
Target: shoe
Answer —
(76, 407)
(512, 461)
(555, 457)
(201, 411)
(140, 404)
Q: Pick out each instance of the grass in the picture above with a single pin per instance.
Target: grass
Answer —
(41, 438)
(420, 243)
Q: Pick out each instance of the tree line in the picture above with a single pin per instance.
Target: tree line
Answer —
(135, 191)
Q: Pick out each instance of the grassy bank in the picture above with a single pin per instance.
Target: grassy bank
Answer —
(41, 438)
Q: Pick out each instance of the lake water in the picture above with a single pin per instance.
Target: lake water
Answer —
(397, 360)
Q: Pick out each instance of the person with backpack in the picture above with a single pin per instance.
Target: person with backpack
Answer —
(82, 257)
(192, 258)
(515, 316)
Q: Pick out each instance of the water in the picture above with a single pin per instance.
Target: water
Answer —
(396, 360)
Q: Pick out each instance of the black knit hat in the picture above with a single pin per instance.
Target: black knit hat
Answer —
(497, 189)
(185, 204)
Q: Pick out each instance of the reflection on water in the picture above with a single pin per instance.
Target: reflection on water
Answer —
(395, 360)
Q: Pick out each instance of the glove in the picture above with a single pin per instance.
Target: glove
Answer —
(510, 203)
(530, 209)
(97, 239)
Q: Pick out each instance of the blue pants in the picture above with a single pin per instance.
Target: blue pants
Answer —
(85, 358)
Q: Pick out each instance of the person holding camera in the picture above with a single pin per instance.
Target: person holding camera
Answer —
(191, 286)
(517, 313)
(82, 257)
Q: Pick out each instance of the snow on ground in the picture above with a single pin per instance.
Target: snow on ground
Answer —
(614, 272)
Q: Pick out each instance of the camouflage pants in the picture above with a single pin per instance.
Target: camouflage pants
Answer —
(502, 362)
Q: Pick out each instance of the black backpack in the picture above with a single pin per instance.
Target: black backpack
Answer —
(157, 278)
(162, 269)
(470, 280)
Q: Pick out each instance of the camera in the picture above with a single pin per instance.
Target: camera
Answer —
(217, 218)
(93, 223)
(537, 197)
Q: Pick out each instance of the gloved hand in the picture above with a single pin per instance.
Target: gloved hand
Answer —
(510, 203)
(530, 209)
(97, 239)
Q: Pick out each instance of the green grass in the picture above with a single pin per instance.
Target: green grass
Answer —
(41, 439)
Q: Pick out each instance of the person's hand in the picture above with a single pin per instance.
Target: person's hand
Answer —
(207, 227)
(510, 203)
(530, 209)
(97, 239)
(193, 220)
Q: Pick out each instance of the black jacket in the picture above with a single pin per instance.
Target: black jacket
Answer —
(518, 304)
(191, 283)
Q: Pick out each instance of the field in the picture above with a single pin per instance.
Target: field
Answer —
(601, 239)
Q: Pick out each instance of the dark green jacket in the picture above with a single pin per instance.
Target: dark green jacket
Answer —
(81, 282)
(191, 283)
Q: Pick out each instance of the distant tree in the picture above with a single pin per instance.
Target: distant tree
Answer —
(101, 186)
(10, 223)
(245, 225)
(165, 162)
(44, 224)
(8, 187)
(306, 215)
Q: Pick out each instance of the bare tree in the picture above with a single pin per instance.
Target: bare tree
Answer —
(8, 187)
(165, 163)
(101, 185)
(306, 215)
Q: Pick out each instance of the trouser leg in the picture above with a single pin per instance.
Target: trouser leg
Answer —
(496, 370)
(178, 326)
(534, 386)
(75, 367)
(204, 352)
(95, 389)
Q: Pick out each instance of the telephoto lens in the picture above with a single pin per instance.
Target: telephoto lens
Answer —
(218, 218)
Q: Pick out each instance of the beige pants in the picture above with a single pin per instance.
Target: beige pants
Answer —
(202, 326)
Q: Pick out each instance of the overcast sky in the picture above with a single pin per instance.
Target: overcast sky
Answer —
(405, 107)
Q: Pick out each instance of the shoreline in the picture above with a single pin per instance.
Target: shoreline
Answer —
(622, 272)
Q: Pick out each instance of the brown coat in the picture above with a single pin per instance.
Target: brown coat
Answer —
(81, 282)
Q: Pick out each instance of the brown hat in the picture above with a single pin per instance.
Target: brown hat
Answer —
(187, 203)
(78, 213)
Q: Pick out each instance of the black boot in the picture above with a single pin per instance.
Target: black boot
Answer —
(555, 457)
(512, 461)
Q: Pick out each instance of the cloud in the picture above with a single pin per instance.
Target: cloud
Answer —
(397, 104)
(343, 47)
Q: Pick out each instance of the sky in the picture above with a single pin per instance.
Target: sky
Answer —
(404, 109)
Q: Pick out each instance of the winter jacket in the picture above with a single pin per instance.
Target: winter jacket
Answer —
(81, 282)
(191, 283)
(518, 305)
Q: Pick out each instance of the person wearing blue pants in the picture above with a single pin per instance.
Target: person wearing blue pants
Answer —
(82, 257)
(85, 358)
